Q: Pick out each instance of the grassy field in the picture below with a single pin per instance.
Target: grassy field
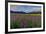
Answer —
(25, 20)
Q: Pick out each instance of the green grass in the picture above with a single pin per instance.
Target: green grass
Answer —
(29, 23)
(15, 24)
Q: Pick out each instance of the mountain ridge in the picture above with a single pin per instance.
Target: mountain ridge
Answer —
(21, 12)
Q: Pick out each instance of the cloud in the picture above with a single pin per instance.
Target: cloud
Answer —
(36, 9)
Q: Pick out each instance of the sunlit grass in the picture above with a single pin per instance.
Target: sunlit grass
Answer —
(24, 14)
(29, 14)
(35, 14)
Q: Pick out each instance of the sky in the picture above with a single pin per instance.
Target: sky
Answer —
(25, 8)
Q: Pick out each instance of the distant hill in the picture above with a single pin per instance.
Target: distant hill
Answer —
(21, 12)
(17, 12)
(38, 12)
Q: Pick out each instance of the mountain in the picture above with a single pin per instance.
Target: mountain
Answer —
(21, 12)
(17, 12)
(38, 12)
